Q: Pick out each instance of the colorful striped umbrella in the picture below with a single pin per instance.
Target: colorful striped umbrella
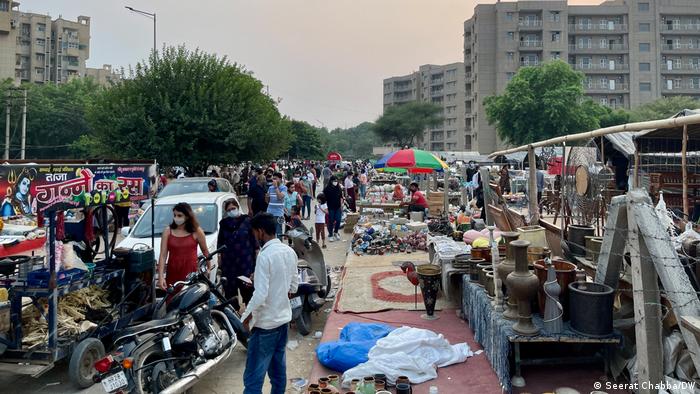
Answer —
(414, 160)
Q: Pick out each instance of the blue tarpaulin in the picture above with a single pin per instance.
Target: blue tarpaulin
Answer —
(351, 349)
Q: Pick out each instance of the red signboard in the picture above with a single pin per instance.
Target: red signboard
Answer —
(334, 156)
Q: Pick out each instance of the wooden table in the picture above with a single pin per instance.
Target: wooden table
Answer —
(386, 206)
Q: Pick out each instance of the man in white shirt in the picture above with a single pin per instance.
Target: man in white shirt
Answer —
(268, 313)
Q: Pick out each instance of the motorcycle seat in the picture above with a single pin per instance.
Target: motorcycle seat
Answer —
(145, 327)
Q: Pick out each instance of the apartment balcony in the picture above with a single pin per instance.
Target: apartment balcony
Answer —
(437, 81)
(592, 68)
(530, 63)
(535, 24)
(610, 48)
(467, 76)
(689, 48)
(437, 93)
(681, 28)
(605, 87)
(680, 68)
(683, 89)
(402, 88)
(530, 44)
(602, 28)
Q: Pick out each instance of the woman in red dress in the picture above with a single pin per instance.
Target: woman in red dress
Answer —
(178, 246)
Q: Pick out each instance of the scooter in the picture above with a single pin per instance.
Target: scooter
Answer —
(195, 331)
(314, 279)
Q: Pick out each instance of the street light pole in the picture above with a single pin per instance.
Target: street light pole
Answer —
(151, 15)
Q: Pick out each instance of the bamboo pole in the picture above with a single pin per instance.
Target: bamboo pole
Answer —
(635, 180)
(684, 168)
(639, 126)
(532, 187)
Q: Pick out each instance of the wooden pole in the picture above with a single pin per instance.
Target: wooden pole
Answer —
(602, 149)
(684, 168)
(635, 180)
(532, 188)
(654, 124)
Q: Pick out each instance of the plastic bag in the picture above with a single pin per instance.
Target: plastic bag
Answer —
(412, 352)
(351, 349)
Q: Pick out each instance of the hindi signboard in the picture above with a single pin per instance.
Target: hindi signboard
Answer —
(33, 188)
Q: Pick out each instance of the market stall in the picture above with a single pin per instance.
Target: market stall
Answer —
(62, 307)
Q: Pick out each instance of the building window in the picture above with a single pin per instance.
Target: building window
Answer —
(644, 47)
(4, 6)
(509, 16)
(556, 55)
(510, 35)
(643, 7)
(644, 66)
(510, 56)
(644, 27)
(645, 86)
(554, 16)
(40, 42)
(41, 27)
(556, 36)
(468, 142)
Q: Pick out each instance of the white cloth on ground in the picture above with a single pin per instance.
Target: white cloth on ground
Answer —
(412, 352)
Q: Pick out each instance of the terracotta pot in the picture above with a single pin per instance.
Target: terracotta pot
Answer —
(379, 385)
(354, 383)
(523, 285)
(323, 382)
(504, 268)
(334, 380)
(313, 387)
(481, 253)
(490, 286)
(534, 234)
(402, 379)
(566, 273)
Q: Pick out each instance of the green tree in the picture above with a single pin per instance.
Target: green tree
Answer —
(608, 117)
(663, 108)
(401, 124)
(352, 143)
(540, 103)
(187, 108)
(306, 142)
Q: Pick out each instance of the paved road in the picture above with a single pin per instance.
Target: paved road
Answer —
(227, 378)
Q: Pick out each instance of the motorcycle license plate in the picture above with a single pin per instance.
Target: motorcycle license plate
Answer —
(114, 382)
(295, 302)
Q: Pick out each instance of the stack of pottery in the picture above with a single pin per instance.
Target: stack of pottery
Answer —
(482, 269)
(505, 267)
(326, 385)
(403, 385)
(473, 270)
(565, 272)
(522, 284)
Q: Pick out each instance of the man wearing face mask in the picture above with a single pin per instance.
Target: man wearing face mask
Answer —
(268, 313)
(334, 199)
(238, 259)
(275, 201)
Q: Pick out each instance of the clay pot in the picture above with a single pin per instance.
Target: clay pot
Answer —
(473, 270)
(403, 379)
(354, 383)
(379, 376)
(490, 286)
(379, 385)
(566, 273)
(334, 380)
(534, 234)
(587, 242)
(323, 382)
(328, 391)
(535, 253)
(523, 287)
(403, 388)
(504, 268)
(481, 253)
(313, 387)
(596, 244)
(482, 275)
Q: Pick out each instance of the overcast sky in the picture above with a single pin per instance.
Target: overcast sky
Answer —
(325, 59)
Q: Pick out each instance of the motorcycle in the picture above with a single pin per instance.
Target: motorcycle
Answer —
(191, 333)
(314, 279)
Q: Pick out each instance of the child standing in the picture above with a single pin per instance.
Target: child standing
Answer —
(321, 211)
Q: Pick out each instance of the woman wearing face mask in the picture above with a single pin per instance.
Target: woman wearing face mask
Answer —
(238, 259)
(334, 199)
(178, 246)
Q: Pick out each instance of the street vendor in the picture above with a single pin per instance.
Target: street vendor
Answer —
(398, 192)
(418, 202)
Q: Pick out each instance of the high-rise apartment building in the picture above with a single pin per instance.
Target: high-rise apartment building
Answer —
(441, 85)
(34, 48)
(631, 51)
(104, 76)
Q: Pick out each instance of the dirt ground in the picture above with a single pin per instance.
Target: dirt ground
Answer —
(226, 378)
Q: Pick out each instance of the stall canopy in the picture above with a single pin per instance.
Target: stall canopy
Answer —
(413, 160)
(670, 139)
(334, 156)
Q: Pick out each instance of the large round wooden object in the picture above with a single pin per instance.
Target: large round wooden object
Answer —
(581, 180)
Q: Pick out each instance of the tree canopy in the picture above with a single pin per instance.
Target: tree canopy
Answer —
(187, 108)
(540, 103)
(353, 143)
(306, 142)
(402, 124)
(663, 108)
